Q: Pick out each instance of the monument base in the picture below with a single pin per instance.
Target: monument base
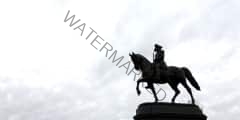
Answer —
(168, 111)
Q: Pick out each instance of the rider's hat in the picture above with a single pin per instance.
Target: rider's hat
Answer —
(157, 47)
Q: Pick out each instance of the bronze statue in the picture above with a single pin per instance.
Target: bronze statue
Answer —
(158, 72)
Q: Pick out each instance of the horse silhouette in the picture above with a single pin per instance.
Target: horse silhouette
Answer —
(173, 76)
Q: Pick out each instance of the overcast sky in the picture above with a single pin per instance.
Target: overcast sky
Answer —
(48, 71)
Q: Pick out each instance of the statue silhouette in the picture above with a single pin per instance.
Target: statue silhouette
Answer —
(171, 75)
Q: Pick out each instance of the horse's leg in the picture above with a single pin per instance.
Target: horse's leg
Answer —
(154, 93)
(137, 88)
(174, 87)
(189, 91)
(176, 94)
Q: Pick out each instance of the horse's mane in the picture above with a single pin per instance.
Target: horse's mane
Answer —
(142, 57)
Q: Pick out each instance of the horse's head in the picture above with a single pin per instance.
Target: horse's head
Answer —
(136, 60)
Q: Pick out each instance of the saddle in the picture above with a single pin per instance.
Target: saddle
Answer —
(159, 71)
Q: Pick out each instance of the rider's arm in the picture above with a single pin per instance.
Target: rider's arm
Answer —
(162, 53)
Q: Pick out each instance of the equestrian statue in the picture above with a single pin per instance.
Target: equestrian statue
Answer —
(159, 73)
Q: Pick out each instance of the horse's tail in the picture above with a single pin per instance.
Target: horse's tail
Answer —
(190, 78)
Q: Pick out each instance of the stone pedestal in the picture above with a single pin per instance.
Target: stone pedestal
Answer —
(168, 111)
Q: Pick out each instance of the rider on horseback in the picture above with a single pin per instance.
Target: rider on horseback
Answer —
(158, 61)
